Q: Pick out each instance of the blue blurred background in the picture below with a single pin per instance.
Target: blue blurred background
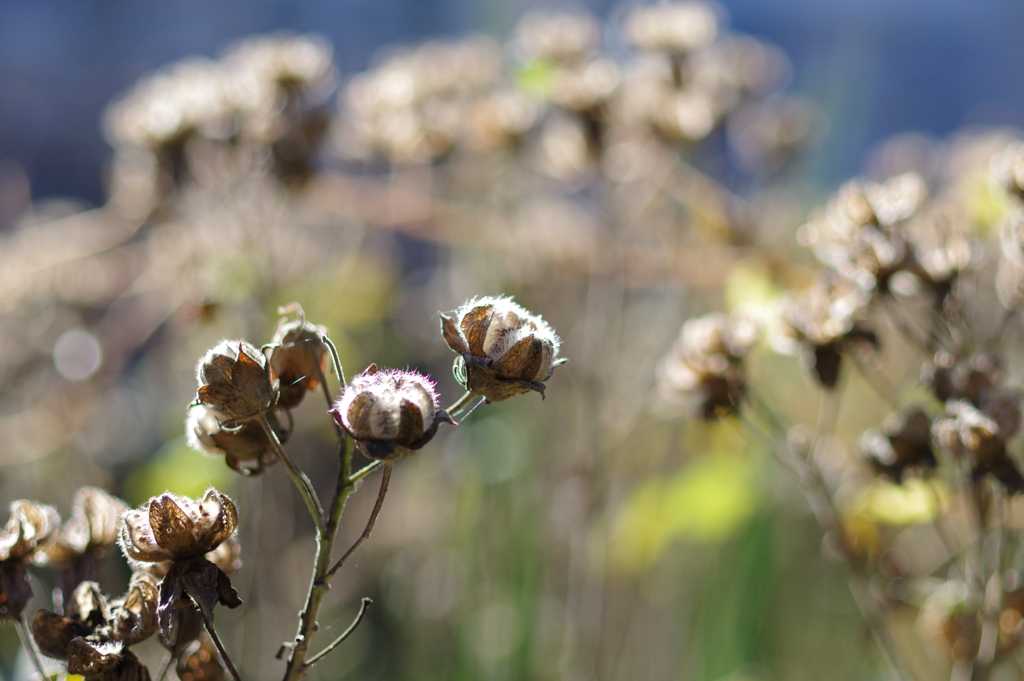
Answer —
(878, 67)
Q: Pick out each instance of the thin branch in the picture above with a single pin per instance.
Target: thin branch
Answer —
(220, 648)
(30, 645)
(165, 666)
(464, 403)
(338, 369)
(345, 634)
(364, 471)
(303, 484)
(385, 478)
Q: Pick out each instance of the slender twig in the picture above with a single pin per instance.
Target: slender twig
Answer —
(385, 478)
(220, 648)
(364, 471)
(165, 666)
(303, 484)
(319, 583)
(30, 645)
(464, 403)
(338, 369)
(344, 635)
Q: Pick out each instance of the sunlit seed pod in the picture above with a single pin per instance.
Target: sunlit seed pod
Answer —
(505, 349)
(234, 379)
(297, 360)
(391, 413)
(93, 525)
(172, 527)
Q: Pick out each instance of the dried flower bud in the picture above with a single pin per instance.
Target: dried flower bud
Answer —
(93, 526)
(205, 432)
(828, 318)
(126, 621)
(557, 36)
(675, 28)
(980, 434)
(297, 360)
(234, 379)
(29, 527)
(504, 349)
(903, 442)
(109, 661)
(172, 527)
(706, 361)
(391, 413)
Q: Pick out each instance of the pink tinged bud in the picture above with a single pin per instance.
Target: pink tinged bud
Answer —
(390, 413)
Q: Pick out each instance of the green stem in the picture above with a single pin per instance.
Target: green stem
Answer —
(345, 634)
(464, 403)
(297, 665)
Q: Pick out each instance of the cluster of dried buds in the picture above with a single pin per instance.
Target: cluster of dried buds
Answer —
(265, 94)
(568, 99)
(244, 397)
(91, 633)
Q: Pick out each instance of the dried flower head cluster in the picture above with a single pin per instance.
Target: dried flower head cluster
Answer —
(77, 545)
(706, 363)
(95, 634)
(182, 530)
(503, 349)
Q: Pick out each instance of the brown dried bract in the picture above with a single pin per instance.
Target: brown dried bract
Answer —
(235, 380)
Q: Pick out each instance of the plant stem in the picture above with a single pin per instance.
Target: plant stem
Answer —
(463, 404)
(220, 648)
(319, 584)
(29, 644)
(303, 484)
(345, 634)
(385, 478)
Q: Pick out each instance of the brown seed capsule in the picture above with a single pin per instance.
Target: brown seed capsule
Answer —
(108, 661)
(234, 379)
(127, 620)
(297, 360)
(391, 413)
(29, 527)
(245, 448)
(706, 363)
(172, 527)
(504, 349)
(903, 442)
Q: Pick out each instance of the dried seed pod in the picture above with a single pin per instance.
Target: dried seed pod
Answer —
(903, 442)
(391, 413)
(981, 434)
(235, 380)
(297, 359)
(246, 448)
(559, 36)
(504, 350)
(172, 527)
(29, 527)
(109, 661)
(829, 319)
(90, 617)
(674, 28)
(77, 546)
(706, 363)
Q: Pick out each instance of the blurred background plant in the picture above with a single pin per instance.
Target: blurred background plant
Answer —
(619, 178)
